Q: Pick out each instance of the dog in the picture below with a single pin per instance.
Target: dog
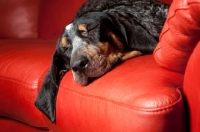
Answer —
(103, 34)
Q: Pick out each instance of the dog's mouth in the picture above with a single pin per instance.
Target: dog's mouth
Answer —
(86, 68)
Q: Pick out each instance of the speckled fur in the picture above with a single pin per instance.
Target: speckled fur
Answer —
(125, 25)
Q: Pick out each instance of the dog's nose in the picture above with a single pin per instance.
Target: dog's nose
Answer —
(79, 64)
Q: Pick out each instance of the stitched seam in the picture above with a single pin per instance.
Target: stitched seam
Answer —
(35, 85)
(127, 106)
(174, 13)
(25, 123)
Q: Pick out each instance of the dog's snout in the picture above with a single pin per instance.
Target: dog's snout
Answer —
(79, 64)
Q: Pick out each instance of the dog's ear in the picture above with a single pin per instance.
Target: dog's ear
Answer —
(132, 34)
(141, 39)
(46, 99)
(113, 31)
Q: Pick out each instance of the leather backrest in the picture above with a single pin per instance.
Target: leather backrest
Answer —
(38, 18)
(19, 19)
(55, 15)
(179, 36)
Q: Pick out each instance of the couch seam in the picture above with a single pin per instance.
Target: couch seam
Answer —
(127, 106)
(174, 13)
(35, 85)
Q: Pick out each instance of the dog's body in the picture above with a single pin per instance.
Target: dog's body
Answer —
(103, 34)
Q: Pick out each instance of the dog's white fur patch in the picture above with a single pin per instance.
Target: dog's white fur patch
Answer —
(69, 26)
(76, 40)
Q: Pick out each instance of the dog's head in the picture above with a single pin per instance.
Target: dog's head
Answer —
(96, 45)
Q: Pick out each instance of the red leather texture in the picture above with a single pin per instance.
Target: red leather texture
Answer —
(19, 18)
(136, 96)
(191, 89)
(179, 36)
(55, 15)
(22, 63)
(10, 125)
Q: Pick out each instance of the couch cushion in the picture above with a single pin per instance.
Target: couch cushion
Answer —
(55, 15)
(22, 63)
(179, 36)
(137, 95)
(10, 125)
(19, 18)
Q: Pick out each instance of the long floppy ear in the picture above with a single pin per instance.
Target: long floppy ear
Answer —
(114, 31)
(46, 99)
(131, 33)
(141, 39)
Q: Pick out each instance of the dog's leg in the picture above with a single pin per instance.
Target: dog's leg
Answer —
(131, 54)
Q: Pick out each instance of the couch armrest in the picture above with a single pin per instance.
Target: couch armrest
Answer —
(191, 88)
(179, 36)
(138, 95)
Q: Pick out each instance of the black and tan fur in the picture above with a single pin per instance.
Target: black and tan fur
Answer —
(103, 34)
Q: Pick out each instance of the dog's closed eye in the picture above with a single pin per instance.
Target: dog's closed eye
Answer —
(82, 28)
(85, 30)
(65, 42)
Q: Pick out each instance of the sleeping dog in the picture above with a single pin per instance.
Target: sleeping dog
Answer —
(103, 34)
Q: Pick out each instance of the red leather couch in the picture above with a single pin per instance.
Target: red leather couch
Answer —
(151, 93)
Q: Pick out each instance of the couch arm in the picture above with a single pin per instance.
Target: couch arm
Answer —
(138, 95)
(180, 35)
(192, 88)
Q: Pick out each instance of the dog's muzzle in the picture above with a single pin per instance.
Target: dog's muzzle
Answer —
(80, 64)
(85, 67)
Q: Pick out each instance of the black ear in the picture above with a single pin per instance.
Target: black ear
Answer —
(132, 34)
(113, 31)
(46, 99)
(141, 39)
